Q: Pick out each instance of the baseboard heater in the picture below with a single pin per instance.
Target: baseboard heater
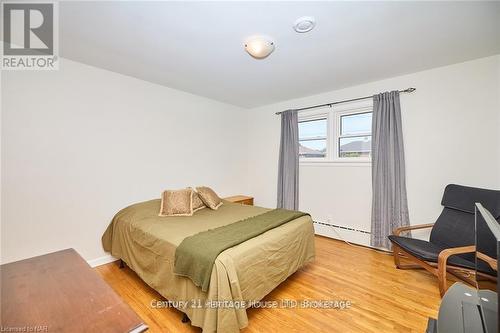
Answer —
(342, 227)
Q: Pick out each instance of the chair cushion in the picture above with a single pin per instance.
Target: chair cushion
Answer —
(419, 248)
(463, 198)
(453, 228)
(428, 251)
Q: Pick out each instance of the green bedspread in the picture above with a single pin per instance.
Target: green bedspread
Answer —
(195, 256)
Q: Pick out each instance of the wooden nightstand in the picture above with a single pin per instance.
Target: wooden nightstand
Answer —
(242, 199)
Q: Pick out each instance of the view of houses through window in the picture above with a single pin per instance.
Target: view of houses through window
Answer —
(348, 135)
(355, 138)
(313, 138)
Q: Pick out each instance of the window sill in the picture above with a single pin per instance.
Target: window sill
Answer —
(351, 163)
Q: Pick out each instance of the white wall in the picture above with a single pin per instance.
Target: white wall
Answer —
(451, 126)
(81, 143)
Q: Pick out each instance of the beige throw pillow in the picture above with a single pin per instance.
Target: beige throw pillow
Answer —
(177, 203)
(197, 202)
(209, 197)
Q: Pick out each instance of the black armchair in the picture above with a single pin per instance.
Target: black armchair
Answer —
(451, 245)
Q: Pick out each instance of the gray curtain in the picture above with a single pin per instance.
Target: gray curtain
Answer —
(389, 204)
(288, 168)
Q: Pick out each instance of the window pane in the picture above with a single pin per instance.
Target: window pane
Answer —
(359, 146)
(353, 124)
(311, 129)
(312, 148)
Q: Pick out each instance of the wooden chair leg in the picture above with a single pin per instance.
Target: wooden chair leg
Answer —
(395, 253)
(409, 266)
(441, 275)
(122, 265)
(400, 254)
(185, 318)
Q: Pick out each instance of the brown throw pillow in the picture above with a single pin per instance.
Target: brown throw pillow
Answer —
(197, 202)
(209, 197)
(177, 203)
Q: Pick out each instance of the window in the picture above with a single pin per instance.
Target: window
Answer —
(313, 138)
(354, 139)
(338, 135)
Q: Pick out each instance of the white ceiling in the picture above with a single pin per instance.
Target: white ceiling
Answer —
(197, 46)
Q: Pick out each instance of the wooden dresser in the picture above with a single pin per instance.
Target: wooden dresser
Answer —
(242, 199)
(60, 292)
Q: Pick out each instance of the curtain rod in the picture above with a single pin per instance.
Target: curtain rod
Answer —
(409, 90)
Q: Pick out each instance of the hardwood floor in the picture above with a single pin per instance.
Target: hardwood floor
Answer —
(384, 299)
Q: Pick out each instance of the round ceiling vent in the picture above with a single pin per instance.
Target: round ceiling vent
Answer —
(304, 24)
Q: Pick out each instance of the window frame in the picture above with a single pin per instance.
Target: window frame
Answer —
(333, 115)
(317, 116)
(338, 134)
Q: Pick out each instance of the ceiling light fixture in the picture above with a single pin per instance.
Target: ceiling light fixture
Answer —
(259, 47)
(304, 24)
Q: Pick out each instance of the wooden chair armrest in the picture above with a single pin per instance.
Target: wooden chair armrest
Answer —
(442, 262)
(489, 260)
(445, 254)
(399, 230)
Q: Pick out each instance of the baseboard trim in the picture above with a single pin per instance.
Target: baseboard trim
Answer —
(101, 260)
(354, 236)
(345, 234)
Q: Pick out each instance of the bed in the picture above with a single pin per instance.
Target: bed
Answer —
(246, 272)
